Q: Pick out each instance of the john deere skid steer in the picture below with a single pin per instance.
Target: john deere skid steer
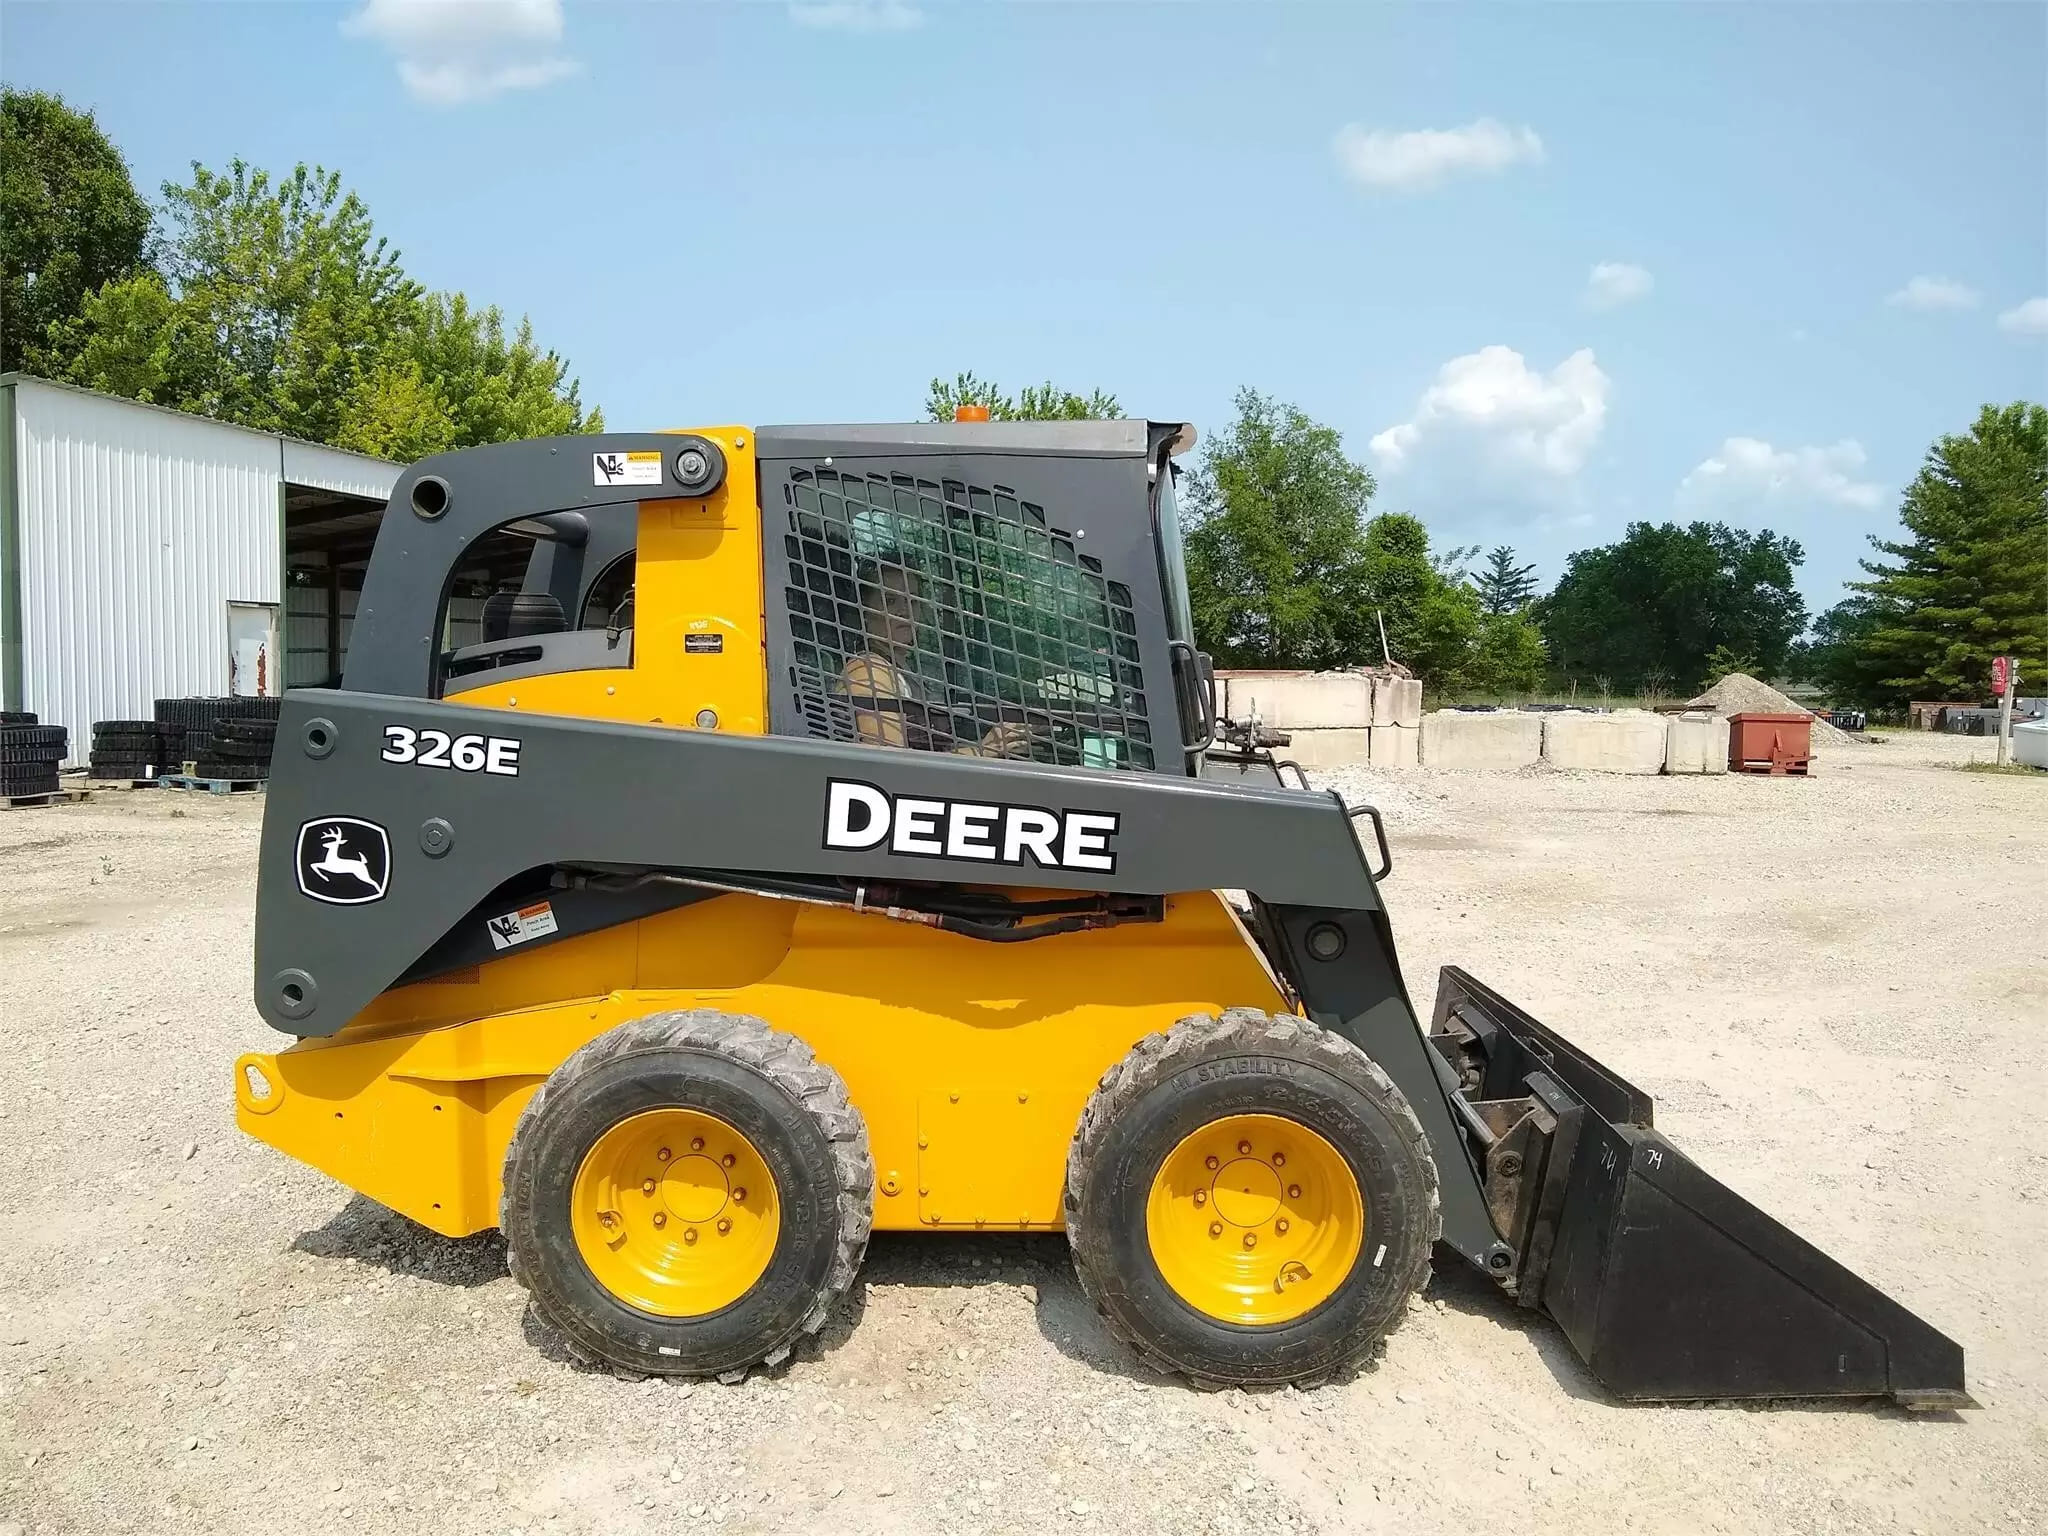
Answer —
(727, 843)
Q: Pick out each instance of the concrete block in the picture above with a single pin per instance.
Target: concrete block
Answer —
(1396, 746)
(1696, 742)
(1406, 703)
(1337, 747)
(1307, 701)
(1383, 701)
(1502, 739)
(1627, 741)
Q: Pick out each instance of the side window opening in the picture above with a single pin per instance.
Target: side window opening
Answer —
(946, 616)
(504, 615)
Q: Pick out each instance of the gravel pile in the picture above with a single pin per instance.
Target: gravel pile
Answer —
(1738, 694)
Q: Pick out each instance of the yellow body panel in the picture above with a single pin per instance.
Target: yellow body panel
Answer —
(970, 1061)
(697, 571)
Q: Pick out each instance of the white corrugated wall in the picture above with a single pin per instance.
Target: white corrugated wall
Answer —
(137, 528)
(330, 469)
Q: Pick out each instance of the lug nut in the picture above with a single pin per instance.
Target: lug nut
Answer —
(662, 1156)
(1215, 1229)
(1279, 1159)
(696, 1143)
(647, 1186)
(661, 1218)
(1294, 1191)
(1212, 1163)
(724, 1226)
(1244, 1149)
(1280, 1225)
(607, 1219)
(741, 1193)
(1251, 1239)
(690, 1235)
(1201, 1197)
(727, 1161)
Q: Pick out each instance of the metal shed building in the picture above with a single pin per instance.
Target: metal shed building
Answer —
(146, 554)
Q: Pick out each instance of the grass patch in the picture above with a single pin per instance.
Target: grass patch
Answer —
(1998, 768)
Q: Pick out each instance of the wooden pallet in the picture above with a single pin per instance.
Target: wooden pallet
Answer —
(49, 797)
(211, 786)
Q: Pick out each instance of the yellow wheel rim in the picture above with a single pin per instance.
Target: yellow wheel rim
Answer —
(1254, 1219)
(675, 1212)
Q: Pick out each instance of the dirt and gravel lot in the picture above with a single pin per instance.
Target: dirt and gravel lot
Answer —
(1836, 989)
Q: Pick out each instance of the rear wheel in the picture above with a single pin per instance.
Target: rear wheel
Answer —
(688, 1194)
(1250, 1200)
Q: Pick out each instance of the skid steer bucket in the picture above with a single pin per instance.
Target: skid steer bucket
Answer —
(1668, 1283)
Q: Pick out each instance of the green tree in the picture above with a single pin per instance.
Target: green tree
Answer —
(1971, 580)
(70, 221)
(1840, 659)
(1508, 655)
(1431, 620)
(451, 378)
(1275, 542)
(281, 308)
(1505, 587)
(1657, 604)
(1724, 659)
(1036, 402)
(281, 297)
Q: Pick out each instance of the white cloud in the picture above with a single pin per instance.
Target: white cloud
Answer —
(1409, 162)
(857, 15)
(1492, 404)
(1613, 283)
(2028, 319)
(1934, 293)
(455, 51)
(1748, 469)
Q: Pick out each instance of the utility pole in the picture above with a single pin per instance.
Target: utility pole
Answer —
(2005, 682)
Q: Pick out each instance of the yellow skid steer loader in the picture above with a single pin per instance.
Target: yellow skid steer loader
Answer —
(726, 843)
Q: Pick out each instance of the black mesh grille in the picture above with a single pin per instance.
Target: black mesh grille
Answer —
(950, 617)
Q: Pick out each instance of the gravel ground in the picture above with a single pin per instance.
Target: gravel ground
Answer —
(1834, 988)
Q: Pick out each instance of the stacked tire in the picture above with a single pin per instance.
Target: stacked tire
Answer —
(29, 755)
(191, 733)
(238, 749)
(127, 749)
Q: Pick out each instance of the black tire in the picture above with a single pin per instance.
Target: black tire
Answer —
(245, 730)
(14, 786)
(766, 1084)
(220, 768)
(124, 728)
(18, 737)
(230, 750)
(30, 757)
(17, 717)
(1248, 1063)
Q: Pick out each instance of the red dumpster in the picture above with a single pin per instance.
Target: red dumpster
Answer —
(1770, 743)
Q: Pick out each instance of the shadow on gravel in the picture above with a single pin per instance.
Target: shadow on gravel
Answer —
(370, 1234)
(1066, 1318)
(1462, 1288)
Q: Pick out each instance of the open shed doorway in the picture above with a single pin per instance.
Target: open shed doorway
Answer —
(328, 536)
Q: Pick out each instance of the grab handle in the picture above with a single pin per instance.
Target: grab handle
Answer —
(1379, 832)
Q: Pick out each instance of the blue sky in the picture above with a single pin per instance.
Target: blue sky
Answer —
(1548, 268)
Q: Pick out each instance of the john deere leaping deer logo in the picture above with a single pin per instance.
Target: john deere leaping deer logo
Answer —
(344, 861)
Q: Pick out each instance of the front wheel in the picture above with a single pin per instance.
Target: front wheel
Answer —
(1250, 1200)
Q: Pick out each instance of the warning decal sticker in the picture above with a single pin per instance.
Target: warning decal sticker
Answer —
(625, 469)
(523, 926)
